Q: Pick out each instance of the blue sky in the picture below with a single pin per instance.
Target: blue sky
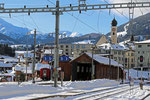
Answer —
(99, 20)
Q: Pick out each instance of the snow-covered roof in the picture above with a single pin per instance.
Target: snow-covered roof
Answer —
(143, 42)
(2, 64)
(51, 51)
(23, 69)
(7, 74)
(24, 53)
(13, 60)
(104, 60)
(84, 42)
(113, 46)
(38, 66)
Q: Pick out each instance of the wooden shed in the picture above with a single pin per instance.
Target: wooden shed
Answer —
(82, 67)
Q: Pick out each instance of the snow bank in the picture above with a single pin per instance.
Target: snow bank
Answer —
(136, 73)
(93, 83)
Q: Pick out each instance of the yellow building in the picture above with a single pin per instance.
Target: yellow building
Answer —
(130, 58)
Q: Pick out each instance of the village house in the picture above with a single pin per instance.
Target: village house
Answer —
(142, 54)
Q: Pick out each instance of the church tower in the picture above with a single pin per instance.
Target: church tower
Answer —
(114, 31)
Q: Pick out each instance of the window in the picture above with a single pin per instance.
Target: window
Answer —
(139, 46)
(126, 60)
(132, 65)
(78, 69)
(72, 46)
(148, 45)
(77, 46)
(82, 69)
(115, 58)
(83, 46)
(132, 60)
(113, 33)
(86, 69)
(143, 52)
(115, 52)
(66, 50)
(132, 54)
(66, 46)
(66, 53)
(119, 58)
(61, 46)
(138, 52)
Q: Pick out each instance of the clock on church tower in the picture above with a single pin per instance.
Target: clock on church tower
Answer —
(114, 29)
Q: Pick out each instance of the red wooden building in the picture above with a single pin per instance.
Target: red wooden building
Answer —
(82, 67)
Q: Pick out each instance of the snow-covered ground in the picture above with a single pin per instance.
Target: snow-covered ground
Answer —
(27, 90)
(73, 90)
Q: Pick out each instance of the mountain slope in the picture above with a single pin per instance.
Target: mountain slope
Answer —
(11, 30)
(140, 28)
(93, 37)
(7, 40)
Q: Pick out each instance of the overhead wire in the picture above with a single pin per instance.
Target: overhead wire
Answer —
(76, 18)
(139, 8)
(98, 21)
(75, 23)
(118, 11)
(35, 24)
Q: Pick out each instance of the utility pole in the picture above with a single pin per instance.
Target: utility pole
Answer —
(27, 55)
(56, 55)
(33, 64)
(141, 73)
(110, 62)
(148, 68)
(123, 65)
(92, 73)
(137, 68)
(128, 67)
(118, 72)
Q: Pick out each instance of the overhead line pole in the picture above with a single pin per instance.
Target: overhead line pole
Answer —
(131, 15)
(27, 55)
(56, 55)
(34, 60)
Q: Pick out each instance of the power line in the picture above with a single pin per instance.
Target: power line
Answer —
(117, 10)
(82, 22)
(140, 9)
(77, 18)
(75, 23)
(98, 21)
(35, 23)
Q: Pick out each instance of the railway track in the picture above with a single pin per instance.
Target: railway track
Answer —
(81, 93)
(105, 94)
